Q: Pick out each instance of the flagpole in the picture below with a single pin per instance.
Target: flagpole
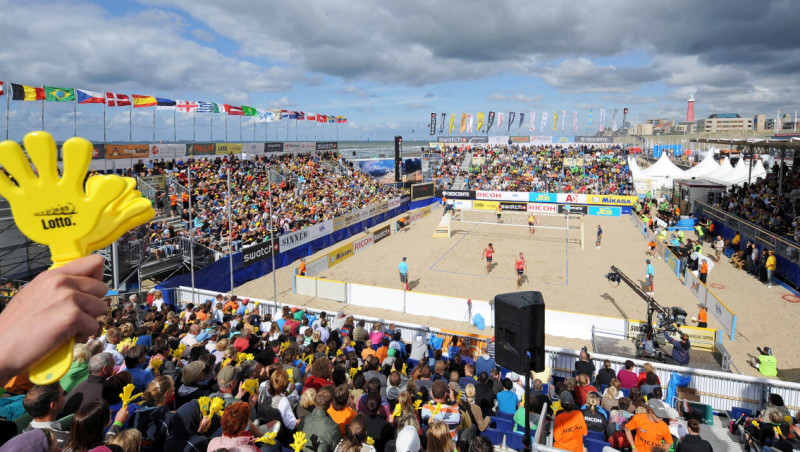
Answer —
(42, 114)
(191, 228)
(295, 128)
(230, 229)
(130, 124)
(240, 128)
(75, 116)
(226, 126)
(194, 126)
(104, 121)
(212, 126)
(272, 240)
(175, 125)
(254, 128)
(154, 124)
(8, 107)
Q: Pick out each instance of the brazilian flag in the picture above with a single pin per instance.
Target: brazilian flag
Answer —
(56, 94)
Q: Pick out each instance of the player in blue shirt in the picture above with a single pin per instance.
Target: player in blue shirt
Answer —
(403, 267)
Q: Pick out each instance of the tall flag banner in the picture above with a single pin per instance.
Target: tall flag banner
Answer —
(778, 123)
(235, 110)
(521, 120)
(555, 119)
(563, 119)
(463, 126)
(300, 114)
(614, 120)
(2, 91)
(602, 118)
(26, 93)
(452, 123)
(331, 119)
(56, 94)
(433, 123)
(117, 100)
(165, 104)
(293, 115)
(207, 107)
(249, 111)
(589, 124)
(186, 106)
(469, 123)
(544, 121)
(265, 116)
(624, 116)
(575, 122)
(143, 101)
(491, 121)
(311, 116)
(341, 120)
(480, 122)
(320, 117)
(533, 121)
(499, 120)
(441, 123)
(510, 120)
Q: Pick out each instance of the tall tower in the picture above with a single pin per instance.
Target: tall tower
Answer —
(690, 109)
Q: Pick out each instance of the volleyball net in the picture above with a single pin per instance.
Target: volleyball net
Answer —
(568, 227)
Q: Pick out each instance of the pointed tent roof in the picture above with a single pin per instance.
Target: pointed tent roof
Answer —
(663, 167)
(706, 166)
(636, 172)
(742, 175)
(724, 168)
(739, 171)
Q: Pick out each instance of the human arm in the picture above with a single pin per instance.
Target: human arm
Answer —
(58, 304)
(287, 415)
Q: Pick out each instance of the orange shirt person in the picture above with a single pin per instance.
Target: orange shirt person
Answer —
(650, 430)
(569, 428)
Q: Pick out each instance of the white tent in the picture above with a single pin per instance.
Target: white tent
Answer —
(661, 173)
(724, 168)
(739, 176)
(727, 178)
(706, 166)
(636, 172)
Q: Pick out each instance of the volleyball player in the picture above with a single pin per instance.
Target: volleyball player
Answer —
(532, 222)
(499, 212)
(522, 268)
(488, 252)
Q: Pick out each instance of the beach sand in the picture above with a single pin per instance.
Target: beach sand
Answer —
(570, 279)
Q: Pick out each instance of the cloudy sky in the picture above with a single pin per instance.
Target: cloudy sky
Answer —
(386, 65)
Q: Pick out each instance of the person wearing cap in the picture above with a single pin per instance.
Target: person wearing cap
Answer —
(702, 316)
(765, 363)
(403, 268)
(650, 430)
(243, 308)
(650, 273)
(569, 426)
(771, 265)
(228, 380)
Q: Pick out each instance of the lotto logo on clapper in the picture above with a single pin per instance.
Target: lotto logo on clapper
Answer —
(62, 217)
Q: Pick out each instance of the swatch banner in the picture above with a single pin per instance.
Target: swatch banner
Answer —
(441, 126)
(433, 123)
(258, 253)
(327, 145)
(470, 140)
(521, 121)
(491, 121)
(510, 120)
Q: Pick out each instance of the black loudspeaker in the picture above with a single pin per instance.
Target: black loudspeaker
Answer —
(519, 330)
(398, 162)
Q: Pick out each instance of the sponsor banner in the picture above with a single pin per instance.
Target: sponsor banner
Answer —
(362, 244)
(715, 306)
(572, 209)
(514, 206)
(464, 140)
(570, 198)
(159, 181)
(542, 197)
(257, 253)
(562, 139)
(643, 186)
(340, 254)
(426, 211)
(419, 191)
(526, 139)
(381, 234)
(611, 200)
(316, 267)
(462, 204)
(605, 211)
(699, 338)
(253, 148)
(455, 194)
(500, 139)
(98, 151)
(327, 145)
(485, 205)
(568, 161)
(593, 140)
(303, 236)
(517, 196)
(541, 140)
(383, 207)
(127, 151)
(273, 147)
(542, 208)
(415, 216)
(300, 147)
(228, 148)
(395, 203)
(167, 151)
(671, 260)
(200, 149)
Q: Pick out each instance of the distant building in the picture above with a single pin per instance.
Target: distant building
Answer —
(727, 122)
(643, 129)
(760, 123)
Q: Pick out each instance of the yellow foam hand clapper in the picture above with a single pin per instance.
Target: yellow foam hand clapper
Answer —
(418, 405)
(299, 441)
(126, 396)
(204, 403)
(370, 441)
(250, 386)
(156, 363)
(398, 410)
(178, 352)
(268, 438)
(290, 372)
(436, 409)
(216, 406)
(58, 212)
(404, 371)
(241, 357)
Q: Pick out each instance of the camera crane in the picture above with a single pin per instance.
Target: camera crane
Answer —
(647, 346)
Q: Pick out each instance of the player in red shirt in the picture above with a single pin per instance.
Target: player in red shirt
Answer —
(521, 267)
(488, 252)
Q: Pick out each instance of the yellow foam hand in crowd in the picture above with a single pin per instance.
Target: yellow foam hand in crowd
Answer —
(290, 372)
(299, 441)
(216, 406)
(370, 441)
(458, 397)
(59, 212)
(353, 372)
(178, 352)
(556, 406)
(309, 359)
(241, 357)
(127, 342)
(126, 396)
(418, 405)
(155, 363)
(436, 409)
(327, 350)
(285, 345)
(404, 370)
(204, 403)
(398, 410)
(339, 352)
(250, 386)
(226, 362)
(268, 438)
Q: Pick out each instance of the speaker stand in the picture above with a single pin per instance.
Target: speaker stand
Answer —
(526, 438)
(468, 314)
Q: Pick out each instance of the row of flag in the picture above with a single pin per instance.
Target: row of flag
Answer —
(80, 96)
(467, 120)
